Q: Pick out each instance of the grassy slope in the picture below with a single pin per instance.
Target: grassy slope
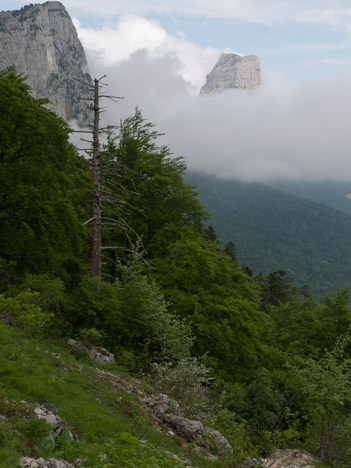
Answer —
(107, 419)
(274, 230)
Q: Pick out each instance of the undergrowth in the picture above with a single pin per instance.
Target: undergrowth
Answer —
(112, 429)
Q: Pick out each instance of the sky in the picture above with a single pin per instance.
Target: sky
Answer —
(156, 54)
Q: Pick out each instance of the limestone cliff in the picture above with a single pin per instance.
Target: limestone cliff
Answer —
(41, 42)
(233, 71)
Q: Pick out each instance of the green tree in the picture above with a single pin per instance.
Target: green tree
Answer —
(276, 287)
(164, 202)
(149, 327)
(335, 316)
(218, 300)
(42, 183)
(230, 250)
(327, 386)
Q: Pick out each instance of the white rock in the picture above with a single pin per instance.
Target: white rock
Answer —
(53, 463)
(96, 353)
(41, 42)
(54, 420)
(233, 72)
(289, 458)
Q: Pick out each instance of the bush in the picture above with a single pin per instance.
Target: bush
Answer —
(187, 382)
(91, 336)
(95, 306)
(148, 327)
(50, 291)
(22, 311)
(327, 387)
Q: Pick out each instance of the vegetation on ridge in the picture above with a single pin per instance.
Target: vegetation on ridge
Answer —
(273, 230)
(252, 356)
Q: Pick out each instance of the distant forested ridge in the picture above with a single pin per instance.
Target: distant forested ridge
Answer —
(332, 193)
(273, 230)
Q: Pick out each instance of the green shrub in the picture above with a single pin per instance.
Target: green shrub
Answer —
(187, 382)
(147, 326)
(283, 438)
(91, 337)
(96, 307)
(23, 312)
(327, 388)
(50, 291)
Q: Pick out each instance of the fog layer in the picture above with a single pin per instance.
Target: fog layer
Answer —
(271, 133)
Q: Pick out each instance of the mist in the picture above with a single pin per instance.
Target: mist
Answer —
(272, 133)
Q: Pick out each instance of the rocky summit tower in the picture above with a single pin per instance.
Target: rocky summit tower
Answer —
(233, 72)
(41, 41)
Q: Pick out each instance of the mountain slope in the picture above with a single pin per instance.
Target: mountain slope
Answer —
(274, 230)
(103, 410)
(334, 194)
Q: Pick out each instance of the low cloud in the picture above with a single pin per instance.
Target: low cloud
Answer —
(131, 33)
(273, 132)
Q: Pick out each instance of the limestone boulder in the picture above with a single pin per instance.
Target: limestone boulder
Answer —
(289, 458)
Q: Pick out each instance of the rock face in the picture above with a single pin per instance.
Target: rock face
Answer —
(233, 72)
(289, 458)
(41, 42)
(168, 412)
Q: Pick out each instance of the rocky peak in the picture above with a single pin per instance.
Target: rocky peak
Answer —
(233, 72)
(42, 42)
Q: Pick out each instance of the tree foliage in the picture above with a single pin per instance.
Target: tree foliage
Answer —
(164, 202)
(41, 182)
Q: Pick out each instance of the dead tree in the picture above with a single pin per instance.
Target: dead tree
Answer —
(105, 184)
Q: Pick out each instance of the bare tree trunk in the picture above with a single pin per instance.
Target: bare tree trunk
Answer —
(96, 270)
(104, 194)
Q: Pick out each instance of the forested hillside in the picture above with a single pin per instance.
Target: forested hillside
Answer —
(273, 230)
(253, 357)
(331, 193)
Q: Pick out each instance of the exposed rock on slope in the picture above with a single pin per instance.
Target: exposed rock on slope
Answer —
(96, 354)
(41, 42)
(28, 462)
(233, 72)
(289, 458)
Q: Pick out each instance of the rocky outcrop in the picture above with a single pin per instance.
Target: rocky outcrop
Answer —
(289, 458)
(189, 430)
(96, 353)
(58, 426)
(168, 412)
(217, 440)
(28, 462)
(233, 72)
(41, 42)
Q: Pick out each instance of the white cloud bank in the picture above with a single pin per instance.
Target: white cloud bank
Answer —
(271, 133)
(131, 33)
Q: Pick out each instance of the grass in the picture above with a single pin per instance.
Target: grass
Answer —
(113, 430)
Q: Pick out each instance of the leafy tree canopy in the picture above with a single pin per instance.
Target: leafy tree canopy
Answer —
(163, 200)
(42, 182)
